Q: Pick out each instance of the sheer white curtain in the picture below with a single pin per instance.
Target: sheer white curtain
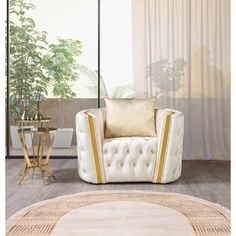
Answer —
(181, 55)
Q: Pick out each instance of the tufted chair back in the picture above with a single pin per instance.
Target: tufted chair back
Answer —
(129, 159)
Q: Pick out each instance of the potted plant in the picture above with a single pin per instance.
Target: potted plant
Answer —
(27, 48)
(61, 66)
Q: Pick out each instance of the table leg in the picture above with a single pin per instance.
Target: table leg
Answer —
(25, 173)
(50, 171)
(22, 168)
(48, 168)
(41, 164)
(27, 163)
(38, 151)
(24, 164)
(33, 172)
(43, 174)
(24, 148)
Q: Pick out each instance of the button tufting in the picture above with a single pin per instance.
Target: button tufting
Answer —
(119, 158)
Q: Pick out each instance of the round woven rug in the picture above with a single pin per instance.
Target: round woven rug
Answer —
(121, 213)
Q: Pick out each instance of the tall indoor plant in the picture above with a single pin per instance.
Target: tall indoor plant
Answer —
(27, 49)
(61, 66)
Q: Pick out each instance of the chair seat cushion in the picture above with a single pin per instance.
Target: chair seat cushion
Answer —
(129, 158)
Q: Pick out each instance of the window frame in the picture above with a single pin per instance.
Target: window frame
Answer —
(7, 105)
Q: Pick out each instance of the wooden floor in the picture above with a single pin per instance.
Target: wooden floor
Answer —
(209, 180)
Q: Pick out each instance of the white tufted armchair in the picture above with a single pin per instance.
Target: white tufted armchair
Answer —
(129, 159)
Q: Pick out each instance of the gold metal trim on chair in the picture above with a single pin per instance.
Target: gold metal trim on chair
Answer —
(95, 148)
(164, 147)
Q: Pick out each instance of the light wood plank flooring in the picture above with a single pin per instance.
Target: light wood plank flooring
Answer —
(209, 180)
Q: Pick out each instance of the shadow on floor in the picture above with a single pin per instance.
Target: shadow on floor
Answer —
(192, 173)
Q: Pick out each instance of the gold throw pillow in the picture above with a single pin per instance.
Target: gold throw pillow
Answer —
(130, 117)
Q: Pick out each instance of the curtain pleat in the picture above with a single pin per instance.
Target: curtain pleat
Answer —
(181, 55)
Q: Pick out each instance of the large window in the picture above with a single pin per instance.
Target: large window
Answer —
(177, 51)
(54, 52)
(116, 49)
(60, 25)
(76, 20)
(44, 37)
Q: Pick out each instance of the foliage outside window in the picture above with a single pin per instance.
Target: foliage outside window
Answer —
(61, 65)
(27, 49)
(36, 66)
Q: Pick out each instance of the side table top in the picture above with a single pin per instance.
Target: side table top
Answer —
(44, 120)
(37, 130)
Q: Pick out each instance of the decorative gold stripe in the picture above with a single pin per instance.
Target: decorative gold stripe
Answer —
(156, 110)
(164, 147)
(95, 148)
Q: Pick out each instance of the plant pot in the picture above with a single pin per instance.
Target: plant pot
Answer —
(16, 144)
(63, 138)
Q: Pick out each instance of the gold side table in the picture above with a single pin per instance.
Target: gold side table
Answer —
(41, 122)
(38, 161)
(22, 123)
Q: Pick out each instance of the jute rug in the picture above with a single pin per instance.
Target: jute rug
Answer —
(121, 213)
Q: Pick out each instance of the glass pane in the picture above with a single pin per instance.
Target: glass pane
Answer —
(116, 49)
(53, 52)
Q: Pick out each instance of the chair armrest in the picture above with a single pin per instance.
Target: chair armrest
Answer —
(170, 131)
(90, 135)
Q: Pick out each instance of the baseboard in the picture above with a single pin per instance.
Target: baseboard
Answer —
(52, 157)
(75, 157)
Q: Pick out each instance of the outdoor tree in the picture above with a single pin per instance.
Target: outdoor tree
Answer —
(27, 50)
(166, 76)
(61, 65)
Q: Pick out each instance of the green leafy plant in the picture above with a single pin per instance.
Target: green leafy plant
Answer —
(27, 49)
(92, 80)
(35, 65)
(60, 63)
(124, 91)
